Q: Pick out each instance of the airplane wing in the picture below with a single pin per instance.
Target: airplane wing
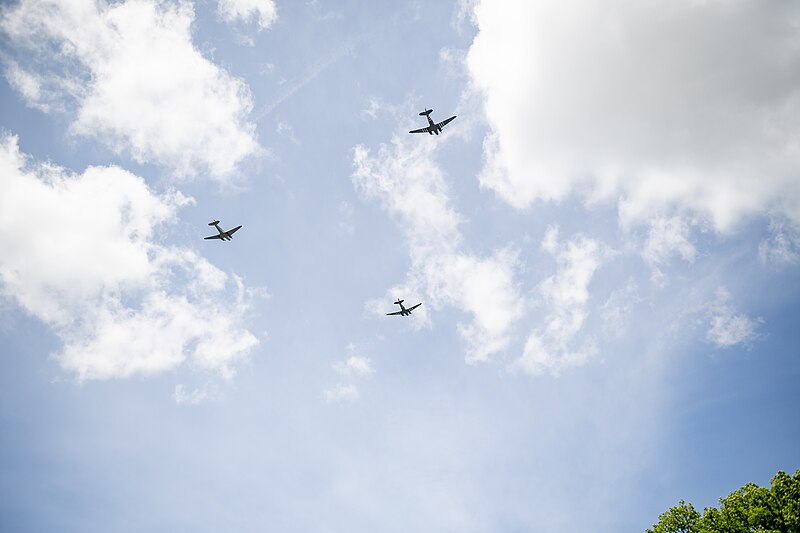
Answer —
(234, 230)
(421, 130)
(395, 313)
(414, 306)
(445, 122)
(213, 237)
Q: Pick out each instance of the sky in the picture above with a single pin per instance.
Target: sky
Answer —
(605, 242)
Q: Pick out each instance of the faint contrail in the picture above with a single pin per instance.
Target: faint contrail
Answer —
(312, 73)
(324, 64)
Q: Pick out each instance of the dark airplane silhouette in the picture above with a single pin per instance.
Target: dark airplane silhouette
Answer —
(432, 126)
(223, 235)
(403, 311)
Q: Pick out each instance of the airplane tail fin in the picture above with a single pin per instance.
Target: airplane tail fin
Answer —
(398, 302)
(214, 223)
(426, 113)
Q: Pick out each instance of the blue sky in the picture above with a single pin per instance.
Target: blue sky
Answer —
(606, 242)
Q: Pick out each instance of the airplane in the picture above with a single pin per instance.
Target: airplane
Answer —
(432, 126)
(403, 311)
(223, 235)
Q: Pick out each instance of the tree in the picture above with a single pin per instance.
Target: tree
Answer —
(746, 510)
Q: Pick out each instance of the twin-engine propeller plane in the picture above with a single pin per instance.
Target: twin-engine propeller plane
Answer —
(403, 310)
(223, 235)
(432, 126)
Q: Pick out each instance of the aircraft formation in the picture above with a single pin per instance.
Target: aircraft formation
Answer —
(431, 129)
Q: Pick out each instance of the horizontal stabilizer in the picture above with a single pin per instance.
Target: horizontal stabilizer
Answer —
(426, 113)
(213, 223)
(398, 302)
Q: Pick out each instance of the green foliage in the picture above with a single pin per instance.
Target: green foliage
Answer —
(749, 509)
(680, 519)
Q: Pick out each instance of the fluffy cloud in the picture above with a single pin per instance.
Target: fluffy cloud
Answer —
(89, 267)
(407, 181)
(139, 84)
(656, 106)
(552, 347)
(264, 11)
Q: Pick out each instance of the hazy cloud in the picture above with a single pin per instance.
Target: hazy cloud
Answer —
(782, 246)
(182, 396)
(617, 311)
(341, 393)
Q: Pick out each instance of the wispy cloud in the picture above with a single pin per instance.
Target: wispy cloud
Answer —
(182, 396)
(727, 327)
(352, 369)
(552, 347)
(782, 247)
(667, 237)
(262, 11)
(341, 393)
(405, 178)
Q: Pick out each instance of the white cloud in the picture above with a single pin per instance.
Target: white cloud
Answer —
(552, 347)
(351, 369)
(618, 309)
(354, 366)
(88, 266)
(264, 11)
(652, 105)
(195, 396)
(667, 236)
(139, 84)
(340, 393)
(375, 106)
(28, 85)
(727, 327)
(407, 181)
(285, 130)
(782, 247)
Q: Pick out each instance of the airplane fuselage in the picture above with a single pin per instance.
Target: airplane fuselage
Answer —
(432, 125)
(223, 235)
